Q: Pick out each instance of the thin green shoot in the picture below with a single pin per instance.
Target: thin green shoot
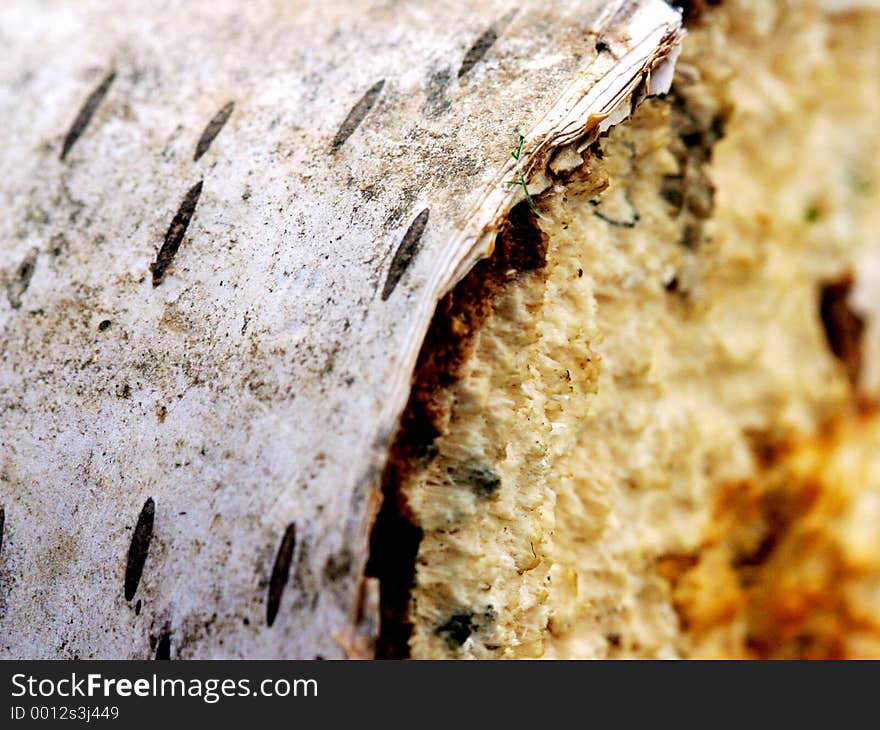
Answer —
(521, 178)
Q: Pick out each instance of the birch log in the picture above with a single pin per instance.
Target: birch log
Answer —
(225, 229)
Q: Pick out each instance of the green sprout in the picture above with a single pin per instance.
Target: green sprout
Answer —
(521, 178)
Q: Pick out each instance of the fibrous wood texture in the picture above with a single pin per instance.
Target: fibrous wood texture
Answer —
(225, 229)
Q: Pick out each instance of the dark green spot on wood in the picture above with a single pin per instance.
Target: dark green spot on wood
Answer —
(479, 478)
(457, 628)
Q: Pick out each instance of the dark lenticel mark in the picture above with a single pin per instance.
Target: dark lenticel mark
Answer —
(213, 129)
(137, 551)
(175, 234)
(479, 49)
(21, 280)
(280, 572)
(406, 252)
(2, 525)
(163, 646)
(86, 112)
(357, 114)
